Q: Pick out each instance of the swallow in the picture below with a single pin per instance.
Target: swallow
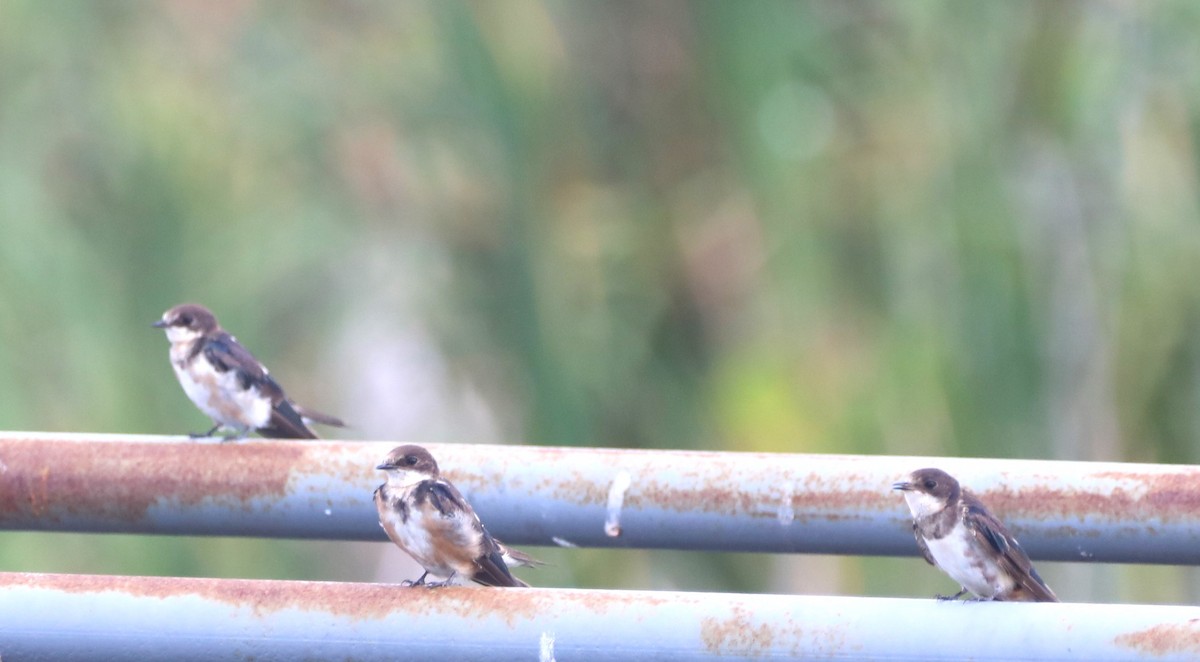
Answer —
(960, 537)
(428, 518)
(227, 383)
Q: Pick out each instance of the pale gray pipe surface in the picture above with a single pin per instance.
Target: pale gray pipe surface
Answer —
(88, 617)
(759, 502)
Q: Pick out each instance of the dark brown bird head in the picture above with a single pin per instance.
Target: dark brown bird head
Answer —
(408, 465)
(187, 321)
(928, 491)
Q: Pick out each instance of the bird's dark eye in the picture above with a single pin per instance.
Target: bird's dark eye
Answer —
(930, 483)
(185, 320)
(410, 460)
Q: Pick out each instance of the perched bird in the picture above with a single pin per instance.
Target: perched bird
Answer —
(227, 383)
(430, 520)
(960, 537)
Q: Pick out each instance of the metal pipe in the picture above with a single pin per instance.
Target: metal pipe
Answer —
(92, 617)
(590, 497)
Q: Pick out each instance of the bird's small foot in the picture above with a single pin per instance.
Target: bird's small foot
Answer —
(208, 435)
(419, 581)
(944, 598)
(445, 582)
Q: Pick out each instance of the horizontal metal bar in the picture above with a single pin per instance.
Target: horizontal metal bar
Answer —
(90, 617)
(590, 497)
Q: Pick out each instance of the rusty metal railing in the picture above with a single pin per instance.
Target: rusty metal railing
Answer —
(589, 497)
(88, 617)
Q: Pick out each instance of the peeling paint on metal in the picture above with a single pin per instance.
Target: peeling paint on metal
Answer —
(616, 499)
(787, 514)
(546, 647)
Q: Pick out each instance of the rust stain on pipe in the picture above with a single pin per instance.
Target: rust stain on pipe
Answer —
(717, 495)
(1134, 496)
(356, 601)
(741, 634)
(737, 634)
(1165, 639)
(123, 479)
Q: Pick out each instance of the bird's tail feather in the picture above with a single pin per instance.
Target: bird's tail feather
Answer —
(311, 416)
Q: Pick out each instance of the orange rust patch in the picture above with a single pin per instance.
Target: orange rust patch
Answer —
(740, 634)
(825, 493)
(54, 479)
(721, 493)
(263, 597)
(1164, 639)
(350, 600)
(737, 634)
(1164, 497)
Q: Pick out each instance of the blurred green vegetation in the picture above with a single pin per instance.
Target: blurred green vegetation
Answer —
(861, 227)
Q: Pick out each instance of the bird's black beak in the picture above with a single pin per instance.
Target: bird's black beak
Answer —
(902, 485)
(159, 324)
(383, 467)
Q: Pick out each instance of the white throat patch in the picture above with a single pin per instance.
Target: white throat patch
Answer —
(922, 504)
(401, 479)
(181, 334)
